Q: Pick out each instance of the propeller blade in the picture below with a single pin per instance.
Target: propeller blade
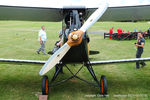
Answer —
(95, 16)
(54, 59)
(60, 53)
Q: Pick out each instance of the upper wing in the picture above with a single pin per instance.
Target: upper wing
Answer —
(127, 13)
(29, 13)
(41, 10)
(51, 10)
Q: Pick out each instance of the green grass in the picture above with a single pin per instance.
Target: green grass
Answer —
(18, 40)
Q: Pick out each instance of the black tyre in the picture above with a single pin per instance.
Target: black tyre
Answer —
(103, 85)
(45, 87)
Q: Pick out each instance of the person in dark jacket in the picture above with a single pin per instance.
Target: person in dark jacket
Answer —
(140, 48)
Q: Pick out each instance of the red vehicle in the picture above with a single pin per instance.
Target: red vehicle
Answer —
(110, 32)
(119, 30)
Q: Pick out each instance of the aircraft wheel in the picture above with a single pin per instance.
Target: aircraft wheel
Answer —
(103, 85)
(45, 87)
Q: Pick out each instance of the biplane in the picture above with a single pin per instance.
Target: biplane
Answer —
(77, 17)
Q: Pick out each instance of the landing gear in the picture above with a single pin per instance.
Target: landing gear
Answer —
(45, 87)
(103, 85)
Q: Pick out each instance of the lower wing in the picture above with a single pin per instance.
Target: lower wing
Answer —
(91, 62)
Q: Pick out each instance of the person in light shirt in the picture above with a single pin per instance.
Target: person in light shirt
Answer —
(42, 39)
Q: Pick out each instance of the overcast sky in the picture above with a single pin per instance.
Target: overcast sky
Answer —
(114, 2)
(128, 2)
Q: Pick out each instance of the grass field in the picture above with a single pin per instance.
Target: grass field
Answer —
(18, 40)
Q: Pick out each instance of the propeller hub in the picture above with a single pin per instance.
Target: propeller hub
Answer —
(75, 37)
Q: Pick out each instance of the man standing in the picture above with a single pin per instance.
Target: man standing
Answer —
(140, 47)
(42, 39)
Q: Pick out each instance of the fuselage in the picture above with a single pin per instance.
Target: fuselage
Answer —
(73, 20)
